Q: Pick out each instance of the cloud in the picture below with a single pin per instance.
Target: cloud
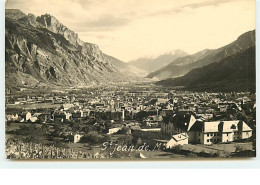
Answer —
(108, 20)
(207, 3)
(86, 3)
(104, 22)
(180, 9)
(164, 12)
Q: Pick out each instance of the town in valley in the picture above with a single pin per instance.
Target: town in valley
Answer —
(82, 123)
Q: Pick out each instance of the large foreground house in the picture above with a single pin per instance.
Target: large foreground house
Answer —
(200, 131)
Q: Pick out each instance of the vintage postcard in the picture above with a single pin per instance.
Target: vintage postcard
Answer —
(130, 79)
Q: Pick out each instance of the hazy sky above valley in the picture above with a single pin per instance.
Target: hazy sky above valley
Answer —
(129, 29)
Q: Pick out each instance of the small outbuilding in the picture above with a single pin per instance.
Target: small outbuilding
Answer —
(178, 139)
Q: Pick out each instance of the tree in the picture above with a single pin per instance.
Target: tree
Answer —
(92, 139)
(33, 133)
(124, 139)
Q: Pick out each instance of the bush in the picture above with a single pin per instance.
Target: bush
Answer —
(93, 138)
(177, 148)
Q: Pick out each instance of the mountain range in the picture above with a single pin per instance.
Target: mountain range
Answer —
(41, 51)
(234, 73)
(182, 65)
(126, 68)
(152, 64)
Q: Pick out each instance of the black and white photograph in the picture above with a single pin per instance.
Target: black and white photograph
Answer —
(136, 80)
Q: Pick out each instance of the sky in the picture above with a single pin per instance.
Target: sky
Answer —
(131, 29)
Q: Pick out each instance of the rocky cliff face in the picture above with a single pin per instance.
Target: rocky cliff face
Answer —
(14, 14)
(41, 51)
(52, 24)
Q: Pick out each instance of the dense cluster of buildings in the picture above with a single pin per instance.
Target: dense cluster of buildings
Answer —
(193, 117)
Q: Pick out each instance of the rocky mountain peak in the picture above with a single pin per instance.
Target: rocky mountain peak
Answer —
(41, 51)
(51, 23)
(14, 14)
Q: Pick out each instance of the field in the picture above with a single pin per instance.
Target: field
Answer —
(188, 151)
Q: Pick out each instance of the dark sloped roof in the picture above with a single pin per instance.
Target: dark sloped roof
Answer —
(197, 126)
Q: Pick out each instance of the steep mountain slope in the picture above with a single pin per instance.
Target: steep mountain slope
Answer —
(14, 14)
(126, 68)
(183, 65)
(40, 51)
(152, 64)
(233, 73)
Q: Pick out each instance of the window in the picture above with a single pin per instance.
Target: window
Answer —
(199, 134)
(207, 140)
(227, 134)
(208, 135)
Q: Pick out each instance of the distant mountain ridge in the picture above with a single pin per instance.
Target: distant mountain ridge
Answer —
(126, 68)
(152, 64)
(234, 73)
(41, 51)
(183, 65)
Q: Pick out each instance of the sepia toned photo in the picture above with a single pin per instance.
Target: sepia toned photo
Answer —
(130, 79)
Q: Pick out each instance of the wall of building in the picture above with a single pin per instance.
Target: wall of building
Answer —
(196, 137)
(237, 135)
(173, 143)
(227, 137)
(212, 137)
(167, 128)
(246, 134)
(113, 130)
(77, 138)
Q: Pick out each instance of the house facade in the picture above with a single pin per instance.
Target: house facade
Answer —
(203, 132)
